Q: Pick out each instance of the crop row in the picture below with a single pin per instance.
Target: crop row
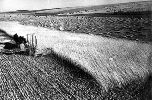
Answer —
(33, 78)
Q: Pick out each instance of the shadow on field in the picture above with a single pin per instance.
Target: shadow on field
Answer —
(74, 68)
(138, 89)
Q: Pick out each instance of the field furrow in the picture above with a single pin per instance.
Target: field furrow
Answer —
(18, 80)
(27, 77)
(33, 79)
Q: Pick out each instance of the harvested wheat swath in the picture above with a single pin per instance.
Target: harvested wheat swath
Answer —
(26, 77)
(109, 60)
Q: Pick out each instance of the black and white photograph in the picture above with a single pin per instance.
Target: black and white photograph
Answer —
(75, 50)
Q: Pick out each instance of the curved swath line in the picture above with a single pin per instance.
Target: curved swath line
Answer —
(52, 61)
(77, 70)
(74, 66)
(38, 64)
(19, 60)
(56, 85)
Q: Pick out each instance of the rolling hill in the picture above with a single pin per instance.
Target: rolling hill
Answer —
(142, 6)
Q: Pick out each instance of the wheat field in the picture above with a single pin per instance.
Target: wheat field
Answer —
(113, 62)
(122, 68)
(109, 60)
(24, 77)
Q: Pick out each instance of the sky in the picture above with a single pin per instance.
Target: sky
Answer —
(12, 5)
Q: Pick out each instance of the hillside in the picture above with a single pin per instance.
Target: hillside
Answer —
(141, 6)
(123, 7)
